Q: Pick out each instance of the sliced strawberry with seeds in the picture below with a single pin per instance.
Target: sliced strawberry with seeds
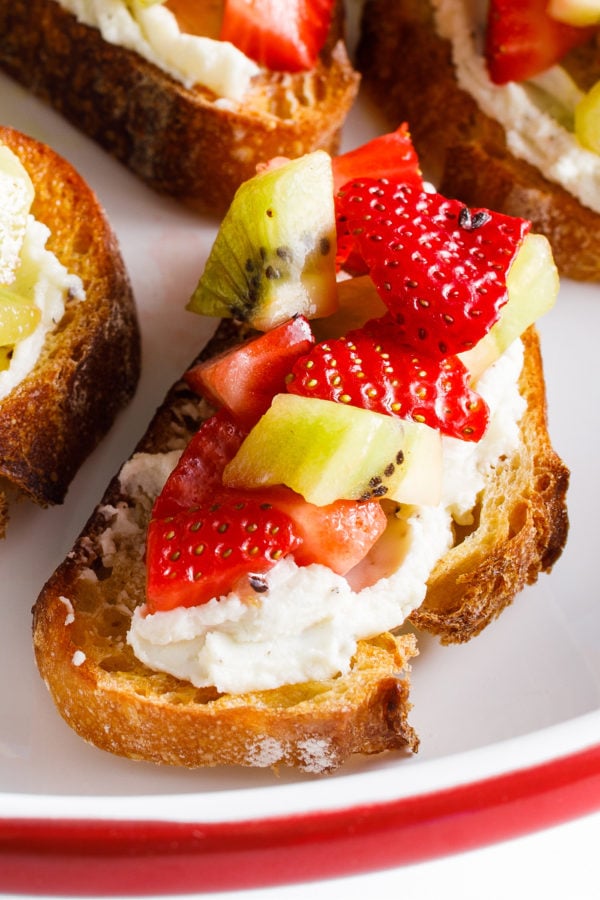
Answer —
(245, 378)
(439, 267)
(389, 156)
(199, 473)
(372, 369)
(202, 552)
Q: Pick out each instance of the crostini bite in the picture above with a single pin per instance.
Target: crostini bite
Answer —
(70, 345)
(241, 593)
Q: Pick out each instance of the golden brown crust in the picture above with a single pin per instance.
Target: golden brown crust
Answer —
(177, 140)
(408, 68)
(89, 366)
(521, 527)
(120, 705)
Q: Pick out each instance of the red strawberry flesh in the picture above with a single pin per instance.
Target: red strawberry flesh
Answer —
(198, 475)
(389, 155)
(202, 552)
(371, 368)
(522, 39)
(439, 267)
(245, 378)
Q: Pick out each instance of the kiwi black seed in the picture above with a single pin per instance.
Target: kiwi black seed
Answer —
(377, 486)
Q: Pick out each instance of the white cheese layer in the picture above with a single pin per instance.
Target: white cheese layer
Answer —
(306, 625)
(532, 132)
(153, 32)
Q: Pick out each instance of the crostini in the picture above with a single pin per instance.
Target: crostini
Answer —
(163, 88)
(70, 354)
(347, 455)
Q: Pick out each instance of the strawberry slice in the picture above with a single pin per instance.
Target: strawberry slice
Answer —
(245, 378)
(204, 551)
(522, 39)
(199, 472)
(338, 535)
(281, 35)
(387, 156)
(372, 369)
(439, 267)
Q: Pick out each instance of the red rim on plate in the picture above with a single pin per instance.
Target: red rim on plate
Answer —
(87, 857)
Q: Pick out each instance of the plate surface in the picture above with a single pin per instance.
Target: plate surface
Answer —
(509, 724)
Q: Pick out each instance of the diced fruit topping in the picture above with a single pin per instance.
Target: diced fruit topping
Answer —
(245, 378)
(439, 267)
(372, 369)
(18, 317)
(328, 451)
(310, 438)
(204, 551)
(278, 34)
(337, 535)
(274, 254)
(587, 119)
(523, 39)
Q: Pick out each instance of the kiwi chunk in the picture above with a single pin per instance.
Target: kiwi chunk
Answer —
(18, 317)
(327, 451)
(274, 254)
(532, 284)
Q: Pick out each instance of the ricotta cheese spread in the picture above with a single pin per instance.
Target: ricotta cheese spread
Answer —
(306, 624)
(34, 273)
(534, 133)
(153, 32)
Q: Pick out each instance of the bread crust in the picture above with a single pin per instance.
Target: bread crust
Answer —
(408, 68)
(89, 366)
(115, 702)
(179, 141)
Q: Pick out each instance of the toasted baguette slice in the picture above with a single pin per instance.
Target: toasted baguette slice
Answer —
(90, 363)
(82, 616)
(181, 142)
(408, 68)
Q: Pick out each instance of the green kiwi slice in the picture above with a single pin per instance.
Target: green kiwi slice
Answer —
(274, 254)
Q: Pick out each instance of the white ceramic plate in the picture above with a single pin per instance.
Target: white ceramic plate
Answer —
(509, 724)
